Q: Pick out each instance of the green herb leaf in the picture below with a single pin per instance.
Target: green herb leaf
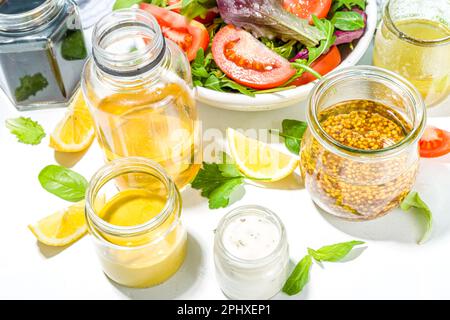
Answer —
(327, 28)
(26, 130)
(334, 252)
(413, 200)
(63, 183)
(285, 49)
(338, 4)
(73, 47)
(299, 277)
(195, 8)
(217, 182)
(348, 20)
(122, 4)
(29, 86)
(293, 131)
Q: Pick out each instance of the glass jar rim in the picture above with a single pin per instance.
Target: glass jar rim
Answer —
(390, 24)
(350, 73)
(119, 167)
(24, 21)
(255, 263)
(107, 61)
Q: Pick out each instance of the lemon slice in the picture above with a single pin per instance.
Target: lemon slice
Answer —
(259, 160)
(63, 227)
(75, 132)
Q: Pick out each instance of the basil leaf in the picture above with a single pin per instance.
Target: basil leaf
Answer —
(293, 131)
(63, 183)
(348, 20)
(299, 277)
(334, 252)
(413, 200)
(220, 197)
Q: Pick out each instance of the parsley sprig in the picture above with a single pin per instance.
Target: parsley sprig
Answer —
(217, 181)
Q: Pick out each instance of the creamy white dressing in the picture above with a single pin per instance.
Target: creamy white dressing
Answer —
(250, 237)
(251, 253)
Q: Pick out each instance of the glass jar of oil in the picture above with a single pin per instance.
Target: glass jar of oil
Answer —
(138, 87)
(414, 41)
(133, 212)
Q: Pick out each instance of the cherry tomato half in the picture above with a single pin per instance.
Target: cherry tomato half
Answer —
(188, 35)
(306, 8)
(322, 65)
(434, 143)
(247, 61)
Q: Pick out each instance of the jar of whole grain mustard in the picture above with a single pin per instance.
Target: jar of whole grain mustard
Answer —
(359, 157)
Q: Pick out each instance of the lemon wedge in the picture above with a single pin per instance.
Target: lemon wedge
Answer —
(63, 227)
(75, 132)
(259, 160)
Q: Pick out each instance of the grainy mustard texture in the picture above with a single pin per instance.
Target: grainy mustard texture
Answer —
(359, 188)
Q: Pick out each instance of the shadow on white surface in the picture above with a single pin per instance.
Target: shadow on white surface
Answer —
(48, 251)
(408, 227)
(176, 286)
(291, 182)
(69, 159)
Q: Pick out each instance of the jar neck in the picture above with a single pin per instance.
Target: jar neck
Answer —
(30, 20)
(124, 167)
(128, 44)
(397, 10)
(394, 86)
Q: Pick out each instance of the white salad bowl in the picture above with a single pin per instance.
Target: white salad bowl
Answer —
(271, 101)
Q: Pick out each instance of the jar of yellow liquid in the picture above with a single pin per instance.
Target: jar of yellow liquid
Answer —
(138, 87)
(414, 41)
(138, 234)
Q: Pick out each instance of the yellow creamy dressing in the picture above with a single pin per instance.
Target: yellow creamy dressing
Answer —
(148, 258)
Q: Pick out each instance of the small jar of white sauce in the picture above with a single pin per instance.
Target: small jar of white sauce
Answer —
(251, 253)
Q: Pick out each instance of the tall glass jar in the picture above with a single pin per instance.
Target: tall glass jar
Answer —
(135, 255)
(355, 183)
(138, 87)
(414, 41)
(42, 52)
(251, 253)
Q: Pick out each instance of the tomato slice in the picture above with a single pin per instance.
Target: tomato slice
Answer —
(247, 61)
(189, 35)
(306, 8)
(435, 142)
(322, 65)
(210, 15)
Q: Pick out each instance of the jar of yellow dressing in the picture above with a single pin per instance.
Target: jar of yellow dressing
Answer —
(138, 87)
(137, 231)
(413, 40)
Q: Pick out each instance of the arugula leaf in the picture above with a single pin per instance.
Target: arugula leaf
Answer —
(413, 200)
(195, 8)
(327, 28)
(26, 130)
(299, 277)
(29, 86)
(72, 47)
(285, 49)
(348, 20)
(334, 252)
(338, 4)
(122, 4)
(63, 183)
(217, 182)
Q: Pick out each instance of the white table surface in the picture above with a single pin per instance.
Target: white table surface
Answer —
(391, 266)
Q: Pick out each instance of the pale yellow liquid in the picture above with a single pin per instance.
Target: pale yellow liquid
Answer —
(426, 67)
(147, 259)
(159, 125)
